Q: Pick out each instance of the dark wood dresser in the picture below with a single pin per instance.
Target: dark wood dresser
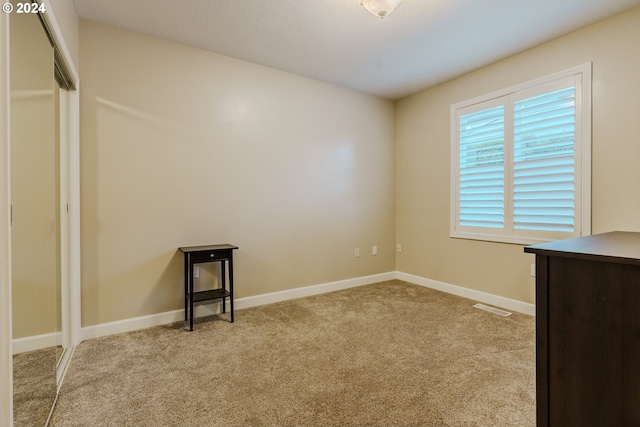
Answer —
(588, 330)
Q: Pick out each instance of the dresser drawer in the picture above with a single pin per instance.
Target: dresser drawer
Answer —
(208, 256)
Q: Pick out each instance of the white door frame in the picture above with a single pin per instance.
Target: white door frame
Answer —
(69, 226)
(6, 349)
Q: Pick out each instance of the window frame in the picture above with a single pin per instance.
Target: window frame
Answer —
(582, 77)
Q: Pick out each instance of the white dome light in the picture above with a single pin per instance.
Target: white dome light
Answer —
(380, 8)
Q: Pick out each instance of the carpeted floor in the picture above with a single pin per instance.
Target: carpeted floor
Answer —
(387, 354)
(34, 386)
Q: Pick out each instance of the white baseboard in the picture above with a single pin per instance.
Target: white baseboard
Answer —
(143, 322)
(22, 345)
(36, 342)
(312, 290)
(495, 300)
(127, 325)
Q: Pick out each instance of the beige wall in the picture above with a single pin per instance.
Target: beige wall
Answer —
(422, 152)
(184, 147)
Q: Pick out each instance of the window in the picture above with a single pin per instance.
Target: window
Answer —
(521, 161)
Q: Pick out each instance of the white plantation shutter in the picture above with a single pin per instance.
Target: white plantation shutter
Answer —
(520, 161)
(482, 168)
(544, 149)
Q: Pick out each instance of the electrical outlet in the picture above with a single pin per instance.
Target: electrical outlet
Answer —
(399, 248)
(533, 270)
(356, 253)
(196, 271)
(374, 250)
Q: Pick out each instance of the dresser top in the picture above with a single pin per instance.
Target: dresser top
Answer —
(187, 249)
(615, 246)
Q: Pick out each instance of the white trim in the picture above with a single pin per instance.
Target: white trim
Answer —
(134, 324)
(581, 77)
(36, 342)
(472, 294)
(127, 325)
(583, 68)
(53, 406)
(73, 194)
(585, 150)
(6, 358)
(63, 214)
(312, 290)
(70, 217)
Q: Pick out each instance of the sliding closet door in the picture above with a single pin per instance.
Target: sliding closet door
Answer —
(35, 246)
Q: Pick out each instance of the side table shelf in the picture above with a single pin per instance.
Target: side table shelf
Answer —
(203, 254)
(211, 294)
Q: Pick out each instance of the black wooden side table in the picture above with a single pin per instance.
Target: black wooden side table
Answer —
(198, 255)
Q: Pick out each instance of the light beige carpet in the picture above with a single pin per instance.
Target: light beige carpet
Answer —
(34, 386)
(387, 354)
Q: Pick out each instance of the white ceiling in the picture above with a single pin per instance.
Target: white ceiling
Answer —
(423, 43)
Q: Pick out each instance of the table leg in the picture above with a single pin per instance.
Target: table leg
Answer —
(186, 286)
(224, 284)
(190, 294)
(231, 283)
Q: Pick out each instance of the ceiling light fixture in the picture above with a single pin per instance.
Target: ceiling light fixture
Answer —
(380, 8)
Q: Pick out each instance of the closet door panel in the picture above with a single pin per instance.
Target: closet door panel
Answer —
(35, 237)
